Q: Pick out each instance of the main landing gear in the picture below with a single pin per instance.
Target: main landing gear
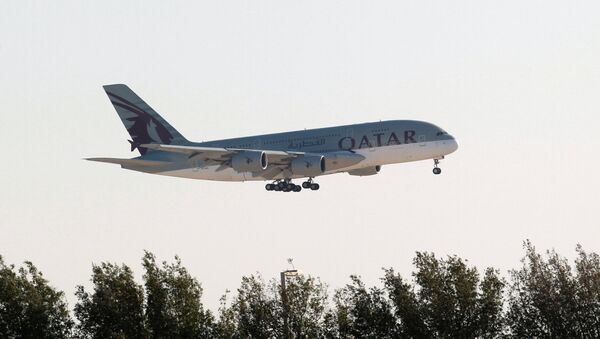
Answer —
(310, 184)
(436, 169)
(286, 185)
(283, 186)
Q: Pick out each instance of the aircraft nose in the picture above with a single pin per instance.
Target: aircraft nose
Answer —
(449, 144)
(453, 144)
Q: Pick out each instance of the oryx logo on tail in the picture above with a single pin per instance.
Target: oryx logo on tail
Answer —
(143, 128)
(145, 125)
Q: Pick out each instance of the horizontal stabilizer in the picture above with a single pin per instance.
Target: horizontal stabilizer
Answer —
(130, 162)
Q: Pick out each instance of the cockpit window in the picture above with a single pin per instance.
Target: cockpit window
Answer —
(441, 133)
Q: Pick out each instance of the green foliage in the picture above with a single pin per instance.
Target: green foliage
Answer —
(363, 313)
(547, 300)
(258, 310)
(306, 300)
(115, 309)
(29, 307)
(587, 267)
(173, 307)
(448, 300)
(226, 326)
(445, 298)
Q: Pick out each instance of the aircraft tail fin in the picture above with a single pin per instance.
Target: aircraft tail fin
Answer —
(145, 125)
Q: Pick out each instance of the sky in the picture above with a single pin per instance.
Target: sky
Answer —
(516, 82)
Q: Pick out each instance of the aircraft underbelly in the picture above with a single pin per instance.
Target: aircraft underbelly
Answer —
(401, 153)
(373, 156)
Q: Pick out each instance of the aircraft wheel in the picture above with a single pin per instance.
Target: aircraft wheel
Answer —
(437, 170)
(306, 184)
(314, 187)
(276, 188)
(269, 187)
(297, 188)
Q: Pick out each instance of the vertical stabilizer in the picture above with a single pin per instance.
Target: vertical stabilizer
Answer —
(145, 125)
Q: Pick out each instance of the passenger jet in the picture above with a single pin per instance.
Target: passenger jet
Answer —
(359, 149)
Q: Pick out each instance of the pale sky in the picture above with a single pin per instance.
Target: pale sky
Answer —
(516, 82)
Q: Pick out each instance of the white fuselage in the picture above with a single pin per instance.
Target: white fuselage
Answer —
(374, 156)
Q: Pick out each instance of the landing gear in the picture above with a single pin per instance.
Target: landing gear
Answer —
(436, 169)
(286, 185)
(310, 184)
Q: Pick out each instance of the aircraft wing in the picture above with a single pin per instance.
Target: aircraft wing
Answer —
(131, 162)
(222, 155)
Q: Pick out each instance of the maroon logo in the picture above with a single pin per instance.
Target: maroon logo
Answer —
(377, 140)
(142, 122)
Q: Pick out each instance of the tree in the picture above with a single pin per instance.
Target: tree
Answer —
(226, 326)
(173, 307)
(29, 307)
(115, 309)
(547, 300)
(306, 299)
(363, 313)
(587, 267)
(258, 311)
(407, 307)
(447, 301)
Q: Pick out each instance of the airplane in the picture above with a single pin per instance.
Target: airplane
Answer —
(359, 149)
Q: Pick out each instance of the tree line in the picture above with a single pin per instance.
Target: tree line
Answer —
(545, 297)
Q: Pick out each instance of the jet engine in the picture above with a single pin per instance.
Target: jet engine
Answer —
(362, 172)
(309, 165)
(249, 161)
(339, 160)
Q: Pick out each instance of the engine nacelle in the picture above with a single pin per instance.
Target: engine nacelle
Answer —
(338, 160)
(249, 161)
(309, 165)
(362, 172)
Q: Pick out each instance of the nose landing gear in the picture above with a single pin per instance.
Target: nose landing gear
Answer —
(436, 169)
